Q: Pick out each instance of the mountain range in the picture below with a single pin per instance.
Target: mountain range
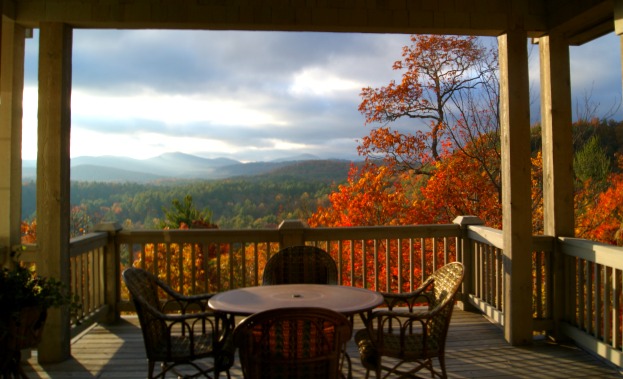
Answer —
(181, 166)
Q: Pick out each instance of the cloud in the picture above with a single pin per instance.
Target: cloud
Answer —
(255, 94)
(243, 95)
(595, 77)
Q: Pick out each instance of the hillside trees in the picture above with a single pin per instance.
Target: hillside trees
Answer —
(451, 166)
(234, 203)
(450, 83)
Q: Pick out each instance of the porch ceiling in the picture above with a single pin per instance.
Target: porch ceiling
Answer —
(579, 20)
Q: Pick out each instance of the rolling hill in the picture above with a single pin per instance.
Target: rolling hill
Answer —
(180, 166)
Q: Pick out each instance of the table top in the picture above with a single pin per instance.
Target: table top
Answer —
(250, 300)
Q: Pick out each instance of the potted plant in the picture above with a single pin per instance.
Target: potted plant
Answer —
(24, 300)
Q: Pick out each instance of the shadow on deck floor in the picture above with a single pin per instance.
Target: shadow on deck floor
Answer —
(475, 349)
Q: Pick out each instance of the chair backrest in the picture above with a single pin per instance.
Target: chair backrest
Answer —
(292, 343)
(143, 287)
(446, 283)
(300, 265)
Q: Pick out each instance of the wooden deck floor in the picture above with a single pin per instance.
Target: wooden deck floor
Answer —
(475, 349)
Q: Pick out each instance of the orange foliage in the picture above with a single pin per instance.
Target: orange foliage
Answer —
(601, 215)
(460, 187)
(436, 68)
(373, 195)
(29, 232)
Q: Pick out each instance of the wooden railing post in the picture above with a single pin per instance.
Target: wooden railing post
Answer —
(112, 275)
(291, 233)
(465, 255)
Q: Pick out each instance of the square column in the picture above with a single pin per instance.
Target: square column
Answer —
(516, 199)
(12, 42)
(558, 197)
(53, 178)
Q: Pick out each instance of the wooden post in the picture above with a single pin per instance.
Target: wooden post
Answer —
(11, 91)
(292, 233)
(558, 217)
(53, 177)
(618, 25)
(467, 258)
(516, 200)
(112, 275)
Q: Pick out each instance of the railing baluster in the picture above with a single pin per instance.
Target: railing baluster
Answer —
(193, 267)
(435, 260)
(411, 266)
(399, 242)
(616, 309)
(538, 284)
(607, 305)
(231, 265)
(388, 270)
(352, 261)
(422, 261)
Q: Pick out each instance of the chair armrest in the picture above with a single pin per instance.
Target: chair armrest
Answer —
(423, 315)
(185, 302)
(409, 299)
(176, 316)
(190, 321)
(188, 304)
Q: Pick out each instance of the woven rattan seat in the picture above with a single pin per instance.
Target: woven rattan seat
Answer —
(297, 343)
(404, 333)
(300, 265)
(181, 330)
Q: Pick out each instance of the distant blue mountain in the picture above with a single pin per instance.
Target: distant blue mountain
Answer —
(169, 166)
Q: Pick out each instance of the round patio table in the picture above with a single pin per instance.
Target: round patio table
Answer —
(250, 300)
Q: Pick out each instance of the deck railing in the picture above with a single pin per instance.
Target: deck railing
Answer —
(593, 308)
(391, 259)
(487, 249)
(88, 281)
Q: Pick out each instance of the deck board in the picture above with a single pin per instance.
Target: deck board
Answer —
(475, 349)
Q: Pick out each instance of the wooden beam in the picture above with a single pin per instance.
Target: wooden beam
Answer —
(393, 16)
(55, 44)
(11, 91)
(516, 199)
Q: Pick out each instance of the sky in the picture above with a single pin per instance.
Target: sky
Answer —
(250, 96)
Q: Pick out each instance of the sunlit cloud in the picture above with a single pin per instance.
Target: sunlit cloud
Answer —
(169, 109)
(318, 82)
(142, 145)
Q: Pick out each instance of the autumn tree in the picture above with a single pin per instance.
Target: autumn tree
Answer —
(449, 92)
(440, 75)
(372, 195)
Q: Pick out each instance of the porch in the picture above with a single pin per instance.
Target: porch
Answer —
(476, 349)
(552, 284)
(575, 293)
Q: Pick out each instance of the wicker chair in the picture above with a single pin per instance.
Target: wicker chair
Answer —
(407, 334)
(295, 343)
(300, 265)
(193, 332)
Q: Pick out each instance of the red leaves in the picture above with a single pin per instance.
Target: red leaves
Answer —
(435, 69)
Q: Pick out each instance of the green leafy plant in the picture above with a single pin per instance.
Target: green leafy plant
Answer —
(21, 287)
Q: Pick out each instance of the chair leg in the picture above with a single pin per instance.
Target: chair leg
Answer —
(150, 369)
(442, 364)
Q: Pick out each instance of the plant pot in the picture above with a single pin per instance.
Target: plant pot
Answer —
(17, 332)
